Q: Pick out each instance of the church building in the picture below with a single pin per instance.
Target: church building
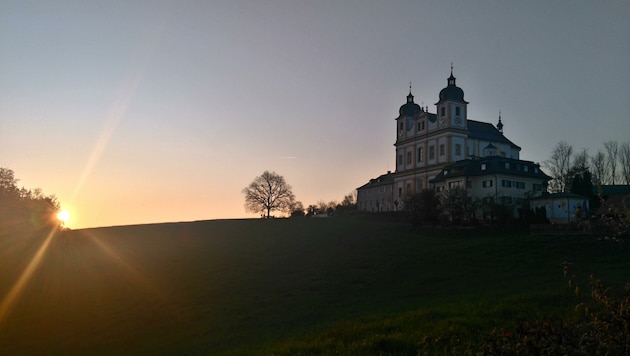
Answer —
(445, 149)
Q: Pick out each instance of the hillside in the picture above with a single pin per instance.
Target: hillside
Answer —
(226, 285)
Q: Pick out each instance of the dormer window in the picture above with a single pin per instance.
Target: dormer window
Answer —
(483, 166)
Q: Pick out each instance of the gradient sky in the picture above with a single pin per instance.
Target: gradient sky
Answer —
(153, 111)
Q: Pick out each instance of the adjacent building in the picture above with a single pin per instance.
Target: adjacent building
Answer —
(446, 149)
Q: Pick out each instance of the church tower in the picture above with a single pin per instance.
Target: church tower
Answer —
(452, 108)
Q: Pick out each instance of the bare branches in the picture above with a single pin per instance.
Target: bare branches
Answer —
(559, 165)
(268, 192)
(624, 159)
(612, 148)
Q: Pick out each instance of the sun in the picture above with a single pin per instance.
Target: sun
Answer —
(63, 216)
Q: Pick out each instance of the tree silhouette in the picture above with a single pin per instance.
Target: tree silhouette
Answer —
(268, 192)
(22, 208)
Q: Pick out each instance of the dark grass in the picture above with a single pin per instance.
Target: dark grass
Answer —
(286, 286)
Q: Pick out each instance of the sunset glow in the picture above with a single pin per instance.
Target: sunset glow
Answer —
(63, 216)
(161, 111)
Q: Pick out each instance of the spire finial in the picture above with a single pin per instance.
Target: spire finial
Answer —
(451, 68)
(500, 124)
(409, 87)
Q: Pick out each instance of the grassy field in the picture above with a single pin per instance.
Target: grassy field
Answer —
(283, 286)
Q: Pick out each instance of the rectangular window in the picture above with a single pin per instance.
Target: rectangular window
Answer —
(519, 185)
(487, 183)
(439, 188)
(400, 159)
(526, 168)
(442, 112)
(421, 125)
(408, 157)
(420, 154)
(452, 185)
(507, 165)
(506, 183)
(431, 152)
(458, 149)
(442, 150)
(457, 110)
(537, 187)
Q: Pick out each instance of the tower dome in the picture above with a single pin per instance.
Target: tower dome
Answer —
(410, 108)
(452, 92)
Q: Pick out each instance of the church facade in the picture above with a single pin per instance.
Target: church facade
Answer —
(445, 149)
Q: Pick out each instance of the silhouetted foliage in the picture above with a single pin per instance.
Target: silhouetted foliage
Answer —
(458, 206)
(423, 208)
(602, 329)
(268, 192)
(22, 208)
(297, 210)
(496, 213)
(349, 203)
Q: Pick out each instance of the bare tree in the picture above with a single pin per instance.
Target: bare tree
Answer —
(559, 166)
(598, 165)
(268, 192)
(624, 159)
(612, 148)
(580, 161)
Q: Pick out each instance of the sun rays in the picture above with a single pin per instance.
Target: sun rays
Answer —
(14, 293)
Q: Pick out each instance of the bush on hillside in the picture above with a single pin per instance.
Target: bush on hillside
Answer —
(602, 327)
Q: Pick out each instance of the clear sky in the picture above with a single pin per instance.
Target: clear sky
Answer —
(153, 111)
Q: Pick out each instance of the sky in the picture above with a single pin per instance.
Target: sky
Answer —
(140, 111)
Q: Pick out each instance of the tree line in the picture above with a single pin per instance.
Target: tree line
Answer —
(22, 208)
(270, 193)
(573, 171)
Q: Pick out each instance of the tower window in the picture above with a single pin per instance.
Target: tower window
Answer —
(420, 152)
(431, 152)
(442, 150)
(458, 149)
(442, 111)
(408, 157)
(457, 111)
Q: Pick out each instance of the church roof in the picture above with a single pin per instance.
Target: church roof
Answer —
(410, 108)
(487, 132)
(385, 179)
(491, 166)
